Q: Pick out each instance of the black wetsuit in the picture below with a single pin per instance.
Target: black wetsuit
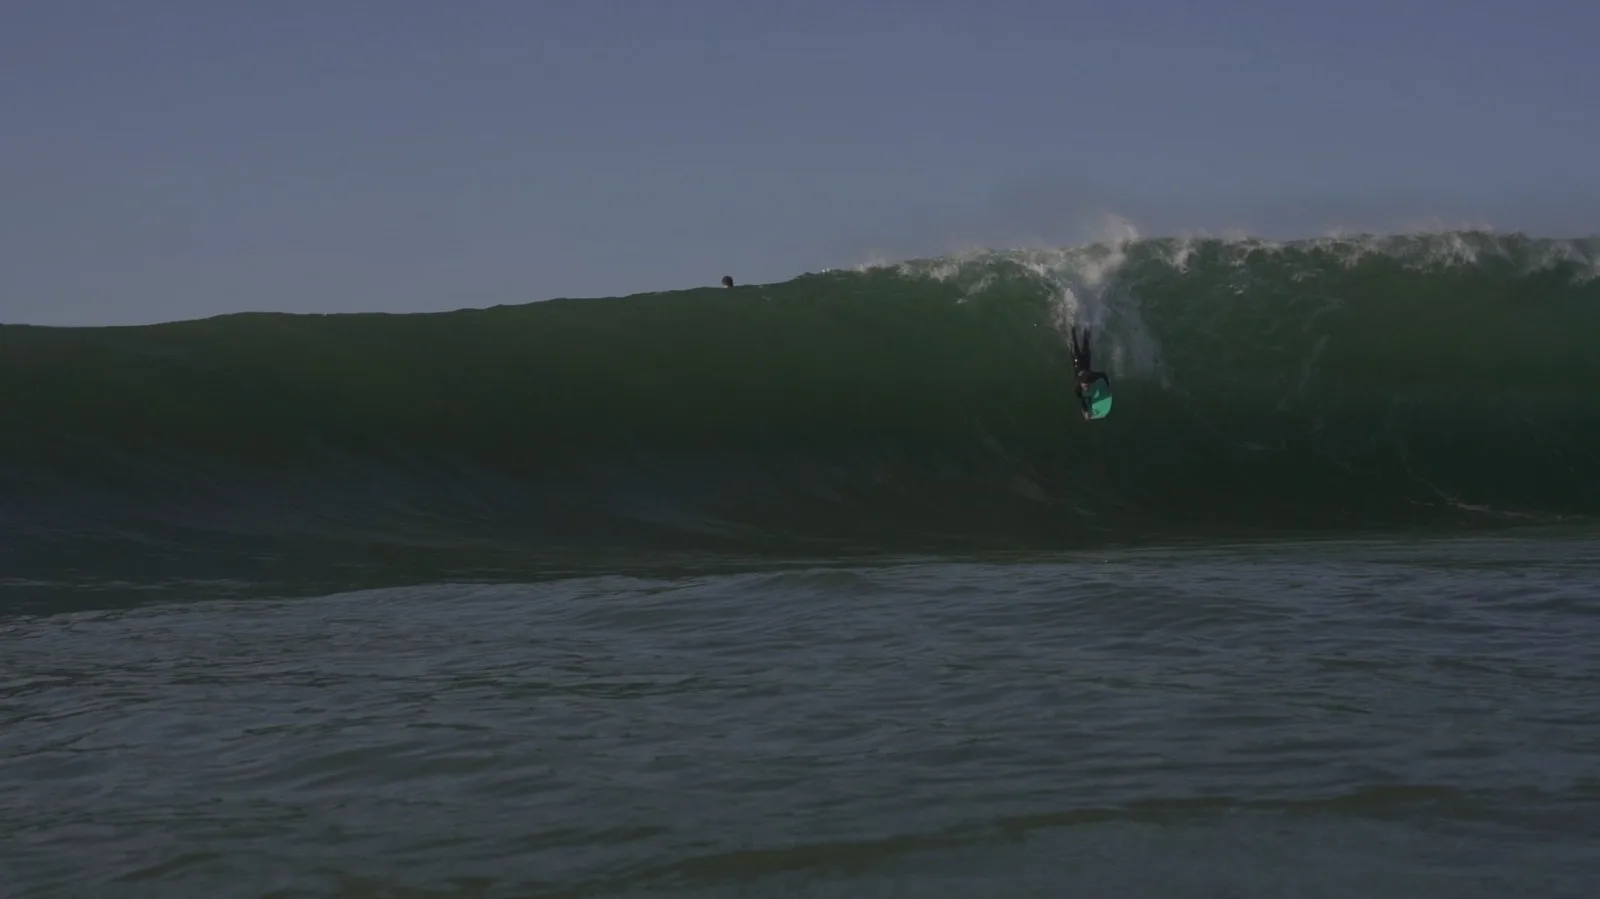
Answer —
(1084, 370)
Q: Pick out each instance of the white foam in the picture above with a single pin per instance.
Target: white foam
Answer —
(1088, 293)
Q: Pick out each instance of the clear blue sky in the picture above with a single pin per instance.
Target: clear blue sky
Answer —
(184, 158)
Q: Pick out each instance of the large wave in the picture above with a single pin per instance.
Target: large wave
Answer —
(1336, 384)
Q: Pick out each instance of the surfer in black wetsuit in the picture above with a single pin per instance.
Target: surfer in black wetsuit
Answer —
(1084, 369)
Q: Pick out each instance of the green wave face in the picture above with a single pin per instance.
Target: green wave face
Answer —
(1339, 384)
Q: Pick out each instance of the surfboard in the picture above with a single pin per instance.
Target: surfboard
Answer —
(1099, 400)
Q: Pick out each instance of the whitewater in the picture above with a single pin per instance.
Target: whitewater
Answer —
(823, 587)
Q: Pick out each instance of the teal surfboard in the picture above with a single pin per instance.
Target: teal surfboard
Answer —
(1099, 400)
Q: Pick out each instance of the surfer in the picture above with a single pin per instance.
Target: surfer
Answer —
(727, 280)
(1084, 369)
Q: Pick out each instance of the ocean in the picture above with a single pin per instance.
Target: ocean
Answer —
(823, 587)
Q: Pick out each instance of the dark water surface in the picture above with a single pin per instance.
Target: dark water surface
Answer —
(1399, 718)
(696, 593)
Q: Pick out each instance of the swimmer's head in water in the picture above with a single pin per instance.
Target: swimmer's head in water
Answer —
(727, 280)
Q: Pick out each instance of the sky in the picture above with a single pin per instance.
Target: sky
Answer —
(187, 158)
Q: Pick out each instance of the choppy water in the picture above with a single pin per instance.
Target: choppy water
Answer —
(1383, 718)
